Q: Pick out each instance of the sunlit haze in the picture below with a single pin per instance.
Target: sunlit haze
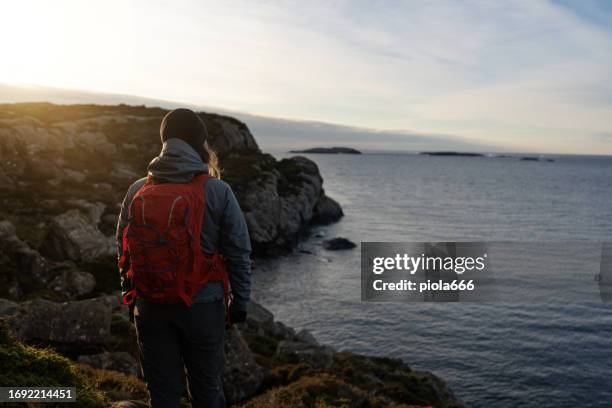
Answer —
(519, 76)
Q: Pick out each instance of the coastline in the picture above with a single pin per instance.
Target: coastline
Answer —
(61, 197)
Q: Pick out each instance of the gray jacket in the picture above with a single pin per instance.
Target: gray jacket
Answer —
(224, 228)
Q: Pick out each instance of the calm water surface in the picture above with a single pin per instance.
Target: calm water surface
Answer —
(554, 352)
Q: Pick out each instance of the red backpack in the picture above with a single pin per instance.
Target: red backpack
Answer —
(162, 243)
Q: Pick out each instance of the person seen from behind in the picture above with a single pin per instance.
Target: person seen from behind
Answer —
(184, 260)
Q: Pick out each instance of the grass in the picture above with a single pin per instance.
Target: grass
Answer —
(29, 366)
(26, 366)
(353, 380)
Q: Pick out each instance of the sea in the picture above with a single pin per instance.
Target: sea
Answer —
(545, 341)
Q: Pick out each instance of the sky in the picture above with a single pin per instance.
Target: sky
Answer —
(529, 75)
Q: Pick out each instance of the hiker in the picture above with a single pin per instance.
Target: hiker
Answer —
(183, 243)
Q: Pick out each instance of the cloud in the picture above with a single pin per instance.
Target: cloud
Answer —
(274, 135)
(512, 74)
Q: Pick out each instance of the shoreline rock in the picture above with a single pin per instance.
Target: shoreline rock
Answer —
(69, 166)
(338, 244)
(263, 357)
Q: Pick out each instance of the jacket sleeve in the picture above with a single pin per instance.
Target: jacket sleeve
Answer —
(235, 246)
(126, 284)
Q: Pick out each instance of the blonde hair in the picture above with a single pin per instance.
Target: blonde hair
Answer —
(213, 161)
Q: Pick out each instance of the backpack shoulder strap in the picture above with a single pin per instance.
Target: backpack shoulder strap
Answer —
(200, 178)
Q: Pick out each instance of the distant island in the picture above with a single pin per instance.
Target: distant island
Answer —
(463, 154)
(328, 150)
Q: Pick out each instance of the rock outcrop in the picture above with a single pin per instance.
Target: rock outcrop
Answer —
(267, 364)
(74, 235)
(338, 244)
(242, 376)
(63, 174)
(120, 361)
(65, 169)
(302, 352)
(70, 326)
(25, 272)
(327, 211)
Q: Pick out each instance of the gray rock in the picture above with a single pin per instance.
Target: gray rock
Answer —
(115, 301)
(280, 205)
(262, 206)
(306, 337)
(18, 263)
(242, 377)
(77, 325)
(326, 211)
(281, 330)
(96, 142)
(261, 321)
(280, 202)
(320, 234)
(93, 210)
(117, 361)
(336, 244)
(106, 187)
(72, 282)
(300, 352)
(8, 308)
(74, 235)
(229, 134)
(259, 315)
(124, 173)
(74, 176)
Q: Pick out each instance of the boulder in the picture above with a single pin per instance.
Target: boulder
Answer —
(74, 235)
(281, 330)
(336, 244)
(74, 176)
(21, 267)
(257, 315)
(93, 210)
(326, 211)
(300, 352)
(70, 326)
(8, 308)
(116, 301)
(306, 336)
(96, 143)
(124, 173)
(261, 206)
(261, 321)
(229, 134)
(242, 377)
(299, 189)
(118, 361)
(73, 283)
(280, 200)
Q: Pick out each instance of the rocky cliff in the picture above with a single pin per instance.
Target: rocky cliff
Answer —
(268, 364)
(65, 169)
(63, 173)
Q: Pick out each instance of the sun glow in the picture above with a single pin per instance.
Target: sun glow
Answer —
(533, 75)
(55, 44)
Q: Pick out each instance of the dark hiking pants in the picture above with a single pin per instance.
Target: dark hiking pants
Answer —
(175, 340)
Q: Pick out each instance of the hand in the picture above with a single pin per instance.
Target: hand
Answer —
(237, 315)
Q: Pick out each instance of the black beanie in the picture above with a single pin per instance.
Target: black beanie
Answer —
(186, 125)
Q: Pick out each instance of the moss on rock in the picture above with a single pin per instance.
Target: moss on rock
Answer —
(32, 367)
